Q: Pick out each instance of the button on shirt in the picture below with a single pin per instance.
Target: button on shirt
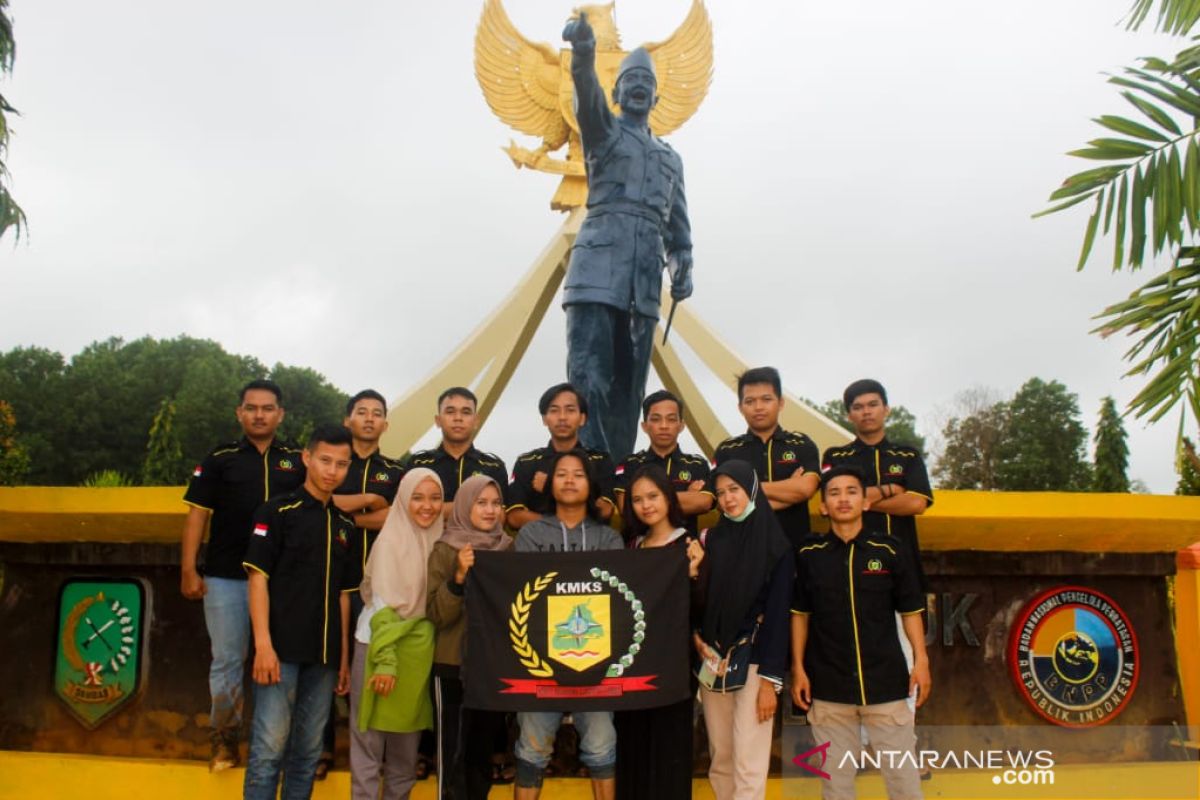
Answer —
(882, 463)
(851, 592)
(521, 493)
(453, 471)
(681, 468)
(375, 474)
(777, 459)
(303, 547)
(232, 482)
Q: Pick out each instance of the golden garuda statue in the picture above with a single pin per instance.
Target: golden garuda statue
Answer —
(529, 87)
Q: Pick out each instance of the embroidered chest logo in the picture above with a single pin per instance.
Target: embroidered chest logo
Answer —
(875, 567)
(895, 469)
(381, 477)
(788, 455)
(684, 475)
(286, 465)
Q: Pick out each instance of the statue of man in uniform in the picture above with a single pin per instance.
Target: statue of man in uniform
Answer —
(636, 224)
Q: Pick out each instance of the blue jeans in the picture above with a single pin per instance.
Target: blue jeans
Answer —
(227, 617)
(289, 718)
(597, 743)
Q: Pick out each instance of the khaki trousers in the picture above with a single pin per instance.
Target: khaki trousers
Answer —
(740, 745)
(890, 728)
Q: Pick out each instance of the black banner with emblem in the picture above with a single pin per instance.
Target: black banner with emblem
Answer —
(594, 631)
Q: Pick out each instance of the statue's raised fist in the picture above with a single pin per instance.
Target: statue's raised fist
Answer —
(578, 31)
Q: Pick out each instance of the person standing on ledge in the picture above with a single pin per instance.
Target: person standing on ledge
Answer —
(637, 222)
(230, 483)
(456, 458)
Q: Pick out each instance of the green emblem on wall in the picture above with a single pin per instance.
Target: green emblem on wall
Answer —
(100, 646)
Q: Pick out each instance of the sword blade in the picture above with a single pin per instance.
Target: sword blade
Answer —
(670, 319)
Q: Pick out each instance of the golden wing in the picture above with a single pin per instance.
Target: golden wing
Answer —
(519, 78)
(684, 64)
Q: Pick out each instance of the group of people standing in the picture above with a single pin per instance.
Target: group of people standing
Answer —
(348, 570)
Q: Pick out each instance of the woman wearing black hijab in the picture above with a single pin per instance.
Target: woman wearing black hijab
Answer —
(747, 587)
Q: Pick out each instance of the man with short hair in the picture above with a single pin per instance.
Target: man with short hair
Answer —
(848, 668)
(365, 496)
(456, 458)
(301, 570)
(662, 422)
(898, 487)
(227, 486)
(564, 412)
(786, 462)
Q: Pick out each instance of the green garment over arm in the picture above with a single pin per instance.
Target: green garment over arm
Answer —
(402, 648)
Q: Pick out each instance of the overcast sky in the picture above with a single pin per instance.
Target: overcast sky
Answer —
(322, 184)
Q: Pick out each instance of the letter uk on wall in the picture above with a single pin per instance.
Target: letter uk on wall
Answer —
(588, 631)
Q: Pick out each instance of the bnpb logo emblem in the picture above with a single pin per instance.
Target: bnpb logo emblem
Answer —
(1074, 657)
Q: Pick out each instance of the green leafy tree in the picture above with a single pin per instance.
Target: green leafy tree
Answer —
(1145, 194)
(31, 382)
(11, 215)
(1044, 445)
(1189, 470)
(14, 461)
(164, 465)
(1111, 461)
(969, 455)
(309, 400)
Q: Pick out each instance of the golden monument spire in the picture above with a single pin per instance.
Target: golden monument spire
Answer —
(528, 85)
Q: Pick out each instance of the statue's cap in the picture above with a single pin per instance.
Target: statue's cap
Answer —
(638, 59)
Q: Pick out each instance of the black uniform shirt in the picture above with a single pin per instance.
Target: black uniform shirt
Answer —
(882, 463)
(851, 593)
(775, 460)
(303, 547)
(231, 482)
(453, 471)
(521, 493)
(375, 474)
(681, 468)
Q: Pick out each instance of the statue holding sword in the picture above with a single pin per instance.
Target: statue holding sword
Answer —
(636, 225)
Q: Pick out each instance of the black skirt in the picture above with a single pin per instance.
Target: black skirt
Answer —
(654, 752)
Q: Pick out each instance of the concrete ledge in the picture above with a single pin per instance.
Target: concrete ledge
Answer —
(995, 521)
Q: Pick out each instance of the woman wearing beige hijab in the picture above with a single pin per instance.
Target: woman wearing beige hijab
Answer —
(393, 639)
(465, 736)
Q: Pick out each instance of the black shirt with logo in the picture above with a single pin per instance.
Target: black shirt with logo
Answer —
(453, 471)
(375, 474)
(681, 468)
(521, 493)
(781, 456)
(303, 547)
(851, 592)
(898, 464)
(232, 481)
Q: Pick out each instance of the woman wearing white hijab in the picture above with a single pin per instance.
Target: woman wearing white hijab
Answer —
(392, 639)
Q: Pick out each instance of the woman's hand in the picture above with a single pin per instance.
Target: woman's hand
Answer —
(767, 700)
(382, 685)
(466, 560)
(695, 554)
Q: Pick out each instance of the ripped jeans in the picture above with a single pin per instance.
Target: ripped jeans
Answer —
(597, 743)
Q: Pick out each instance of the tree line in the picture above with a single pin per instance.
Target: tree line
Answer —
(142, 412)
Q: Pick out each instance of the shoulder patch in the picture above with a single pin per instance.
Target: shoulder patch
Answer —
(286, 503)
(422, 458)
(816, 546)
(732, 441)
(223, 449)
(845, 452)
(793, 437)
(690, 459)
(903, 451)
(391, 463)
(532, 455)
(887, 547)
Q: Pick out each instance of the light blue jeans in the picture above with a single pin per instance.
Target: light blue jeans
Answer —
(227, 617)
(597, 743)
(285, 735)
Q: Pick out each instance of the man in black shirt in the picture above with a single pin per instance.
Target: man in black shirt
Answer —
(228, 485)
(301, 570)
(786, 462)
(662, 422)
(456, 458)
(847, 663)
(898, 488)
(564, 412)
(372, 479)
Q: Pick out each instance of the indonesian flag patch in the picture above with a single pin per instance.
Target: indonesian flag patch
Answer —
(260, 529)
(197, 472)
(620, 469)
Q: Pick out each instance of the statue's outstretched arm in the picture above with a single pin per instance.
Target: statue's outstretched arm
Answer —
(591, 108)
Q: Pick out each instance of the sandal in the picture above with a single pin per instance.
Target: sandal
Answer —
(422, 768)
(324, 764)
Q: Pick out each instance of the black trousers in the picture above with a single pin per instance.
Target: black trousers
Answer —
(465, 738)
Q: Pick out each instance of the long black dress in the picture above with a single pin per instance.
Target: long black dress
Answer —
(654, 746)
